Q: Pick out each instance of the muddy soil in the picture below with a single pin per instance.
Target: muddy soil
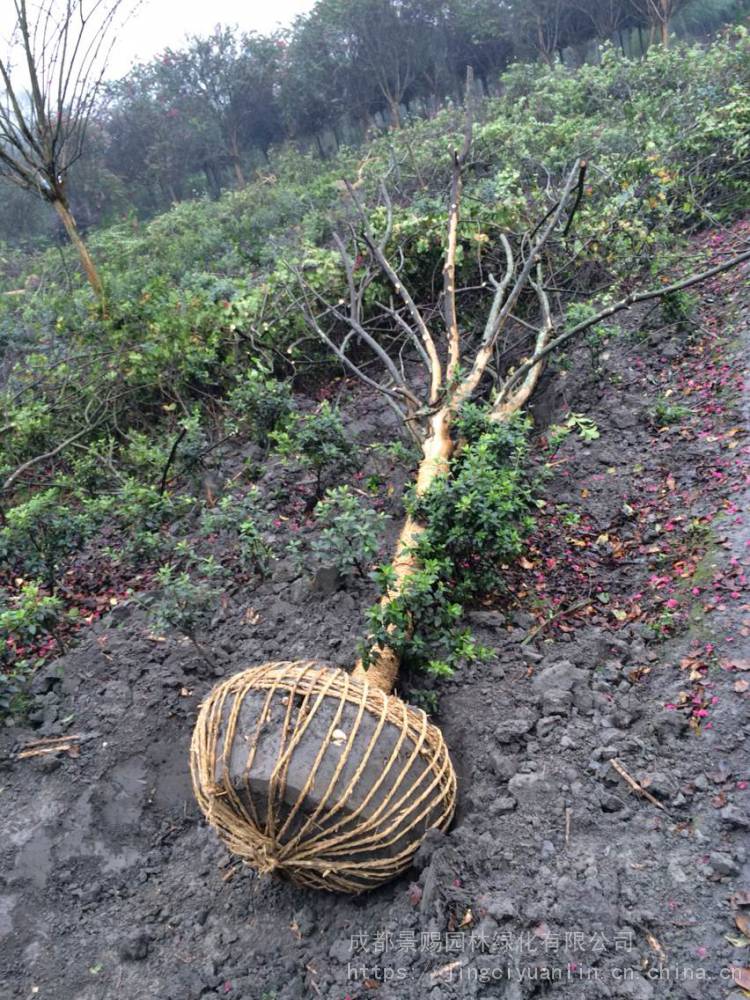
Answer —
(619, 655)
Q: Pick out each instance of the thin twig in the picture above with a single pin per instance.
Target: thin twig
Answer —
(172, 454)
(560, 614)
(626, 303)
(638, 789)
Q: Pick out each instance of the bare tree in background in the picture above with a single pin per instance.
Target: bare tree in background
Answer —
(659, 14)
(62, 47)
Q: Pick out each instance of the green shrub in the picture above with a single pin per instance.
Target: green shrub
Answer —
(260, 404)
(41, 533)
(422, 623)
(192, 582)
(351, 532)
(241, 522)
(664, 413)
(477, 516)
(27, 619)
(187, 601)
(679, 309)
(596, 337)
(149, 457)
(138, 517)
(319, 441)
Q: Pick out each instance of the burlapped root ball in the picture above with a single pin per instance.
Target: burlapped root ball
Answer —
(325, 780)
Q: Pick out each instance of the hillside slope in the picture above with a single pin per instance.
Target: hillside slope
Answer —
(555, 871)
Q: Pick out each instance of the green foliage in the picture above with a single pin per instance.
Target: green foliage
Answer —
(664, 413)
(596, 337)
(319, 441)
(138, 517)
(663, 625)
(351, 532)
(425, 699)
(191, 580)
(475, 519)
(28, 618)
(584, 426)
(260, 404)
(204, 301)
(679, 308)
(39, 534)
(187, 601)
(240, 522)
(422, 622)
(202, 298)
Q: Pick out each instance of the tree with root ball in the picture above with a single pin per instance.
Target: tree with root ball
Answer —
(304, 770)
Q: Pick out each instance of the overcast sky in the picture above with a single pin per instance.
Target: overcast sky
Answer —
(159, 24)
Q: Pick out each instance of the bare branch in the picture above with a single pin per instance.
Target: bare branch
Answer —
(49, 454)
(626, 303)
(436, 370)
(454, 211)
(492, 331)
(509, 403)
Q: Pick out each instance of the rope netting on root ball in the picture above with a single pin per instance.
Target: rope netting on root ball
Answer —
(309, 773)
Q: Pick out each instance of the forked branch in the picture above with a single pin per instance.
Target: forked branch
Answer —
(342, 323)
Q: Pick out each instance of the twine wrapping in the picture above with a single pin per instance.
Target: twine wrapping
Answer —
(317, 776)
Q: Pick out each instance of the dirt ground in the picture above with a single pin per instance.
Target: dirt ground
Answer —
(557, 877)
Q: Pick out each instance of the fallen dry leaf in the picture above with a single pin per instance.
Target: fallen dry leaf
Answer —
(415, 894)
(656, 947)
(740, 976)
(741, 686)
(742, 920)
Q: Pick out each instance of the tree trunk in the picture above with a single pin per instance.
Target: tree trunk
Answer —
(62, 209)
(437, 450)
(241, 182)
(234, 155)
(395, 110)
(664, 32)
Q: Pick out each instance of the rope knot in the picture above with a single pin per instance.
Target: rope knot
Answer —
(266, 863)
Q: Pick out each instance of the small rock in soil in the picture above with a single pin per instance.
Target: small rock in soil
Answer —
(735, 817)
(135, 948)
(505, 804)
